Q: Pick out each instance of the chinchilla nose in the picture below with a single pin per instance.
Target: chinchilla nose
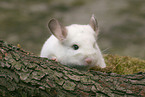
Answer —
(88, 60)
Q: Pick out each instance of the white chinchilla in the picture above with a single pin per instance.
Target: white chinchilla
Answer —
(74, 45)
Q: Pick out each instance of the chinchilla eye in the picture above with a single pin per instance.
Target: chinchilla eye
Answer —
(75, 47)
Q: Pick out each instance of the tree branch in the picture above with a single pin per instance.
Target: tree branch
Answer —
(23, 74)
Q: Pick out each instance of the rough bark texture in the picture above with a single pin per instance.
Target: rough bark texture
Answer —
(23, 74)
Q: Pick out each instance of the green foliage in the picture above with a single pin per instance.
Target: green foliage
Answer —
(122, 65)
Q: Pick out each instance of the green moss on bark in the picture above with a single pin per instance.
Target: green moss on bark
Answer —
(122, 65)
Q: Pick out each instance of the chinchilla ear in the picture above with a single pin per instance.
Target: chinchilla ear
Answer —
(94, 24)
(59, 31)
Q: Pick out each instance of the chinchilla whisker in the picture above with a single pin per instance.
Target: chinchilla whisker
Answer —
(105, 50)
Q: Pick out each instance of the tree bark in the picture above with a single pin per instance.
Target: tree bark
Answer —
(23, 74)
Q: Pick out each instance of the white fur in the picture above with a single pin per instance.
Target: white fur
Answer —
(82, 35)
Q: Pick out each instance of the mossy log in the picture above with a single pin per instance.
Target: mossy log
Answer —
(23, 74)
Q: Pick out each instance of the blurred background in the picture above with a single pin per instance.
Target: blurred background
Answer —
(121, 22)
